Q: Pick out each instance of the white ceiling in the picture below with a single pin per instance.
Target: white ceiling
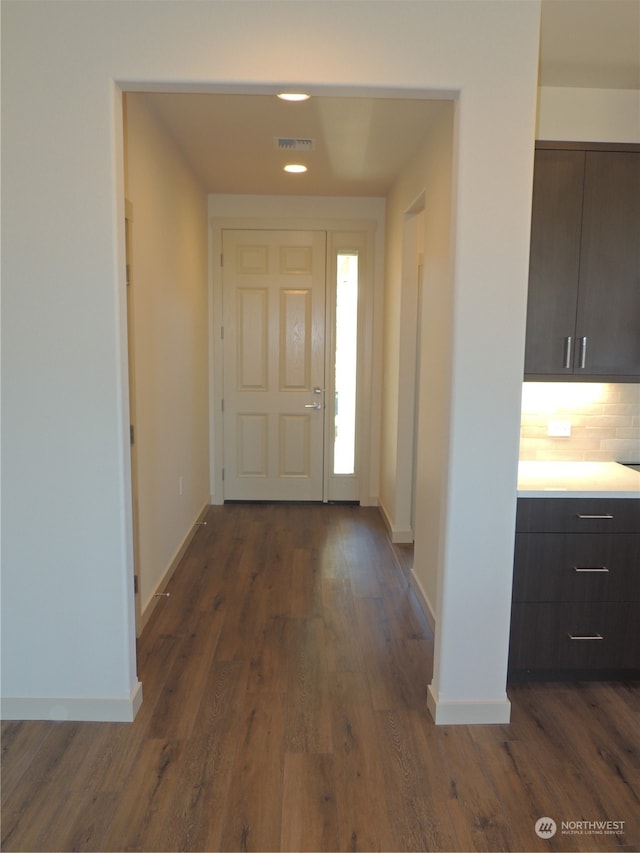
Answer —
(361, 143)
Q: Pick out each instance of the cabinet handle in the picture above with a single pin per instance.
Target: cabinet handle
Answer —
(604, 515)
(568, 345)
(583, 353)
(590, 569)
(585, 636)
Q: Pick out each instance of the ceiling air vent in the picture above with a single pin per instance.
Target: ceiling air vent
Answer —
(295, 143)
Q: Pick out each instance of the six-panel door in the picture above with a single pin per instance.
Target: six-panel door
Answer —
(274, 328)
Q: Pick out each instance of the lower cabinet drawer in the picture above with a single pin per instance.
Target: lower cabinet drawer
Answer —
(576, 567)
(578, 515)
(575, 635)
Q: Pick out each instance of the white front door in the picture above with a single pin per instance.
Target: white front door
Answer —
(274, 364)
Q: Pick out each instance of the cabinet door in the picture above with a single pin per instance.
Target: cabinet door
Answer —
(554, 260)
(609, 302)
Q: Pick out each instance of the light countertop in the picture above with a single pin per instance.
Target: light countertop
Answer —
(577, 480)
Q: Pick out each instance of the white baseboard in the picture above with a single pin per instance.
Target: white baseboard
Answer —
(468, 713)
(150, 606)
(423, 601)
(72, 708)
(398, 535)
(402, 536)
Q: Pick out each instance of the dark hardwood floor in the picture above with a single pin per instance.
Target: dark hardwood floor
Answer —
(285, 709)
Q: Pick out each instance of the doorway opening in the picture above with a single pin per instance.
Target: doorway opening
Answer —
(179, 391)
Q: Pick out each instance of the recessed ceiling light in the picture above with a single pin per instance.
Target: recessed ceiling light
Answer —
(293, 96)
(295, 168)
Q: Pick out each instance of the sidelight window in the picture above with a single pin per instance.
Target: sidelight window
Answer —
(346, 340)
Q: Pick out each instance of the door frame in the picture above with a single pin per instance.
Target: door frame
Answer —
(341, 234)
(135, 526)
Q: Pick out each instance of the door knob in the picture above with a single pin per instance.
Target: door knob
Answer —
(313, 405)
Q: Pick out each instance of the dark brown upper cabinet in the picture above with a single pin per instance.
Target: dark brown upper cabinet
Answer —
(583, 310)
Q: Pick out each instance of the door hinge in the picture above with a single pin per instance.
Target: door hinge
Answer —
(222, 405)
(221, 259)
(222, 333)
(128, 273)
(132, 434)
(135, 584)
(223, 475)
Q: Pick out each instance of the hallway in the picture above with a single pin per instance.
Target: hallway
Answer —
(284, 708)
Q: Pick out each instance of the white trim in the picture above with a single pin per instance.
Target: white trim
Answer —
(356, 486)
(398, 535)
(292, 223)
(406, 432)
(150, 606)
(91, 710)
(423, 600)
(336, 228)
(385, 517)
(468, 713)
(402, 536)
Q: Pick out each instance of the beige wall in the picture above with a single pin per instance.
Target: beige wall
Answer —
(169, 281)
(419, 202)
(419, 223)
(583, 115)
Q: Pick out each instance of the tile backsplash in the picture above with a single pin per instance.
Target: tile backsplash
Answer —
(604, 418)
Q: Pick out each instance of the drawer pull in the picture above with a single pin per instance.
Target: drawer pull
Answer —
(604, 515)
(585, 636)
(599, 569)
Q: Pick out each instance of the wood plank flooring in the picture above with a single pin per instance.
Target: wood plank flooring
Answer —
(285, 709)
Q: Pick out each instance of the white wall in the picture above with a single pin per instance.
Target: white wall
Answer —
(589, 115)
(67, 623)
(169, 288)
